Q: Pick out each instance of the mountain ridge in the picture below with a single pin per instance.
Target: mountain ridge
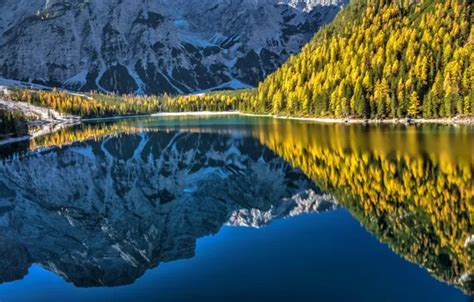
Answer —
(154, 47)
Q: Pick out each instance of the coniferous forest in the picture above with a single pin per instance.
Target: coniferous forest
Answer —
(381, 59)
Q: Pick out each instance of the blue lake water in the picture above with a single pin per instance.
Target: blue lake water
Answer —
(213, 212)
(313, 257)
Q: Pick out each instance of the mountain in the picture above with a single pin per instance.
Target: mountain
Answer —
(152, 47)
(100, 213)
(381, 59)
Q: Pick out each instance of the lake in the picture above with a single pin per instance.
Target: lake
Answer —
(234, 208)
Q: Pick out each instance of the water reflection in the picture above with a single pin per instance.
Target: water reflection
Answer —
(101, 212)
(410, 186)
(126, 198)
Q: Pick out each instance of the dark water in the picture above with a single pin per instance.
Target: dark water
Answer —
(238, 209)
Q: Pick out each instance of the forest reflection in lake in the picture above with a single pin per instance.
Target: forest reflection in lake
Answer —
(410, 186)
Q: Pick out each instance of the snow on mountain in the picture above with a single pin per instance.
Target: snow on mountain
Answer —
(145, 46)
(100, 213)
(308, 5)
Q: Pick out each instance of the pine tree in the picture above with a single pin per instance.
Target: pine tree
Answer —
(414, 109)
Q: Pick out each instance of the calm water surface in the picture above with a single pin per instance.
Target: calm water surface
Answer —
(238, 209)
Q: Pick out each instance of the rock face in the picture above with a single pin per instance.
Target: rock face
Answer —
(130, 46)
(100, 213)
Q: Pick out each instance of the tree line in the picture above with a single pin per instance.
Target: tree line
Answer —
(87, 105)
(94, 104)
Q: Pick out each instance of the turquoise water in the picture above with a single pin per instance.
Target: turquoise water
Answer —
(232, 209)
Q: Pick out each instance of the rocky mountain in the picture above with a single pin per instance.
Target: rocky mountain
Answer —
(100, 213)
(152, 47)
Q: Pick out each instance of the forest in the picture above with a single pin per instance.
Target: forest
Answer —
(94, 104)
(89, 105)
(381, 59)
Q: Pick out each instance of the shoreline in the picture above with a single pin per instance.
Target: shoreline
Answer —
(464, 121)
(46, 128)
(459, 121)
(162, 114)
(195, 113)
(47, 120)
(50, 126)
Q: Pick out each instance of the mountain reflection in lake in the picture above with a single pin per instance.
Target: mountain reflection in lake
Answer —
(102, 212)
(100, 204)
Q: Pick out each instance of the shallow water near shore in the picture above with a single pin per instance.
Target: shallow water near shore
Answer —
(214, 208)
